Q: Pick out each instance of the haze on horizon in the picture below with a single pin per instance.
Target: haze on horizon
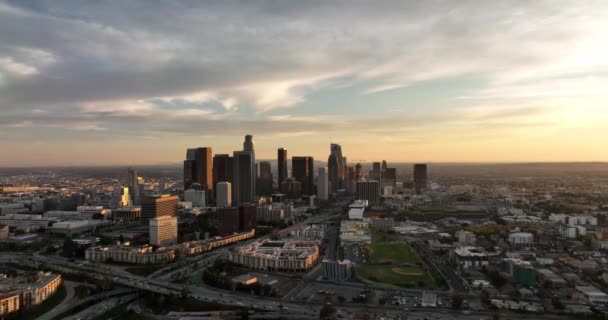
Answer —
(115, 83)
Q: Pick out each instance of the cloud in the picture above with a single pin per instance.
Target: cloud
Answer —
(223, 68)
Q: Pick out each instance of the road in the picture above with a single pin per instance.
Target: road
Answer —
(65, 304)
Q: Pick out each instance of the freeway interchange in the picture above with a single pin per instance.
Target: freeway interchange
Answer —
(160, 282)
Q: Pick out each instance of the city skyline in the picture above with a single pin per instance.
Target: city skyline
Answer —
(439, 81)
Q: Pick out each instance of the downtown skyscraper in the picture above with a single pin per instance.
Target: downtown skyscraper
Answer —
(198, 169)
(335, 167)
(244, 173)
(303, 171)
(264, 187)
(133, 185)
(222, 170)
(420, 178)
(282, 167)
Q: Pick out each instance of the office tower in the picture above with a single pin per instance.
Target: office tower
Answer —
(243, 184)
(224, 194)
(189, 173)
(264, 187)
(222, 170)
(376, 169)
(323, 184)
(133, 185)
(248, 213)
(335, 168)
(358, 172)
(163, 231)
(302, 171)
(369, 190)
(228, 220)
(292, 188)
(420, 178)
(389, 177)
(124, 198)
(384, 165)
(282, 166)
(344, 168)
(158, 206)
(350, 181)
(204, 172)
(196, 197)
(249, 146)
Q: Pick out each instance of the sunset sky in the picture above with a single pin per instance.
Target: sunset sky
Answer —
(137, 82)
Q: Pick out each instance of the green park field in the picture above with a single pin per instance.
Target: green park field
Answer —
(396, 264)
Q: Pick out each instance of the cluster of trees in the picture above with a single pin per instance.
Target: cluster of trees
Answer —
(71, 249)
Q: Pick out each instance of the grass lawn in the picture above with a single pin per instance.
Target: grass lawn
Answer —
(395, 264)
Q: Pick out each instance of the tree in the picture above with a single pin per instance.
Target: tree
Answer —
(69, 247)
(327, 311)
(121, 239)
(185, 292)
(456, 301)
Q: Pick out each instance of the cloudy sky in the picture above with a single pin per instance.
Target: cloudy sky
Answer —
(137, 82)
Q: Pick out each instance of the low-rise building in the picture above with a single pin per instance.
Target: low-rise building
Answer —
(74, 227)
(4, 231)
(593, 294)
(26, 222)
(46, 284)
(384, 224)
(9, 303)
(469, 257)
(127, 214)
(465, 238)
(337, 270)
(286, 256)
(521, 239)
(130, 254)
(355, 232)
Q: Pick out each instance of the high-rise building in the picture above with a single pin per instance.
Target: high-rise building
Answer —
(389, 177)
(369, 190)
(163, 231)
(292, 188)
(204, 172)
(420, 178)
(228, 220)
(196, 197)
(376, 171)
(133, 185)
(249, 146)
(124, 197)
(222, 170)
(158, 206)
(224, 194)
(302, 169)
(358, 172)
(282, 166)
(350, 181)
(264, 186)
(248, 213)
(323, 184)
(189, 173)
(243, 182)
(335, 168)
